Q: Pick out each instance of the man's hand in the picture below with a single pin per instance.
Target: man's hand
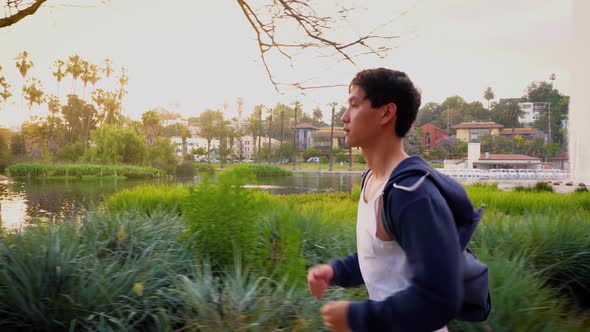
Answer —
(318, 279)
(335, 315)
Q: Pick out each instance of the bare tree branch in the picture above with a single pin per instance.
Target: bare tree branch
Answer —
(21, 13)
(314, 28)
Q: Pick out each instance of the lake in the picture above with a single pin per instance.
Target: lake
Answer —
(25, 201)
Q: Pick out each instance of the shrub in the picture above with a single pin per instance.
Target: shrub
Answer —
(323, 160)
(265, 170)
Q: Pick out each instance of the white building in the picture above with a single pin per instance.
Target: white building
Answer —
(250, 146)
(193, 143)
(166, 123)
(531, 111)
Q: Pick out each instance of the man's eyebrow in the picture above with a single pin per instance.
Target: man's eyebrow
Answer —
(353, 98)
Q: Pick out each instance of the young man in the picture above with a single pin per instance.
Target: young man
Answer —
(413, 225)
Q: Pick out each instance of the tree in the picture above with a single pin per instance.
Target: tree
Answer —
(20, 12)
(315, 30)
(488, 95)
(75, 69)
(5, 92)
(151, 124)
(23, 64)
(412, 143)
(108, 68)
(296, 107)
(269, 21)
(33, 92)
(184, 134)
(109, 107)
(209, 123)
(112, 144)
(317, 116)
(513, 113)
(162, 155)
(333, 105)
(58, 73)
(89, 75)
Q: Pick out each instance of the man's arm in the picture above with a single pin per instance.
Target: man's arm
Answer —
(428, 235)
(347, 271)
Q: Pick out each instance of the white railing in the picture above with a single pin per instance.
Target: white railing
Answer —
(504, 174)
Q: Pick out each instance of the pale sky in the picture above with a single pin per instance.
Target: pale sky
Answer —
(188, 56)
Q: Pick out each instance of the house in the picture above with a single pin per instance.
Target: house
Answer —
(561, 161)
(528, 133)
(531, 110)
(192, 143)
(476, 159)
(303, 135)
(166, 123)
(249, 146)
(473, 131)
(321, 139)
(431, 136)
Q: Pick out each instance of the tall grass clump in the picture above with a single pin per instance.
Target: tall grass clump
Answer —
(538, 187)
(520, 302)
(266, 170)
(529, 202)
(27, 170)
(107, 273)
(557, 245)
(148, 199)
(79, 170)
(224, 217)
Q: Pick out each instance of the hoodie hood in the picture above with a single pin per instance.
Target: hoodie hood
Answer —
(466, 217)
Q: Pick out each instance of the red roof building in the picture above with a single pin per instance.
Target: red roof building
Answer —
(431, 136)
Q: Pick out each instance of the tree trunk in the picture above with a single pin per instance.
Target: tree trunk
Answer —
(269, 129)
(295, 140)
(209, 151)
(332, 139)
(512, 139)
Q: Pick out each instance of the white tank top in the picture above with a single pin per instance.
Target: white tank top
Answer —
(383, 264)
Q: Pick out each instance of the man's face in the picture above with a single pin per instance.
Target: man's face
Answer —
(361, 121)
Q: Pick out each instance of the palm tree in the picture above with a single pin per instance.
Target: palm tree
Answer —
(107, 68)
(512, 113)
(58, 73)
(208, 123)
(488, 95)
(23, 65)
(258, 111)
(33, 92)
(317, 115)
(296, 107)
(4, 93)
(269, 120)
(74, 68)
(89, 74)
(151, 123)
(184, 134)
(240, 102)
(333, 104)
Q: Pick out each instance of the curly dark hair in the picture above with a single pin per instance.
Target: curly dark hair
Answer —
(384, 86)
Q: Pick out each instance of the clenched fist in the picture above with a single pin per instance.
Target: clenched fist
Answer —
(318, 279)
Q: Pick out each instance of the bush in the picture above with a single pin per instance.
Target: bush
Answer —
(205, 169)
(323, 160)
(265, 170)
(70, 152)
(360, 159)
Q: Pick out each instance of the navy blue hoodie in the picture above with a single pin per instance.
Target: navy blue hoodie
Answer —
(432, 219)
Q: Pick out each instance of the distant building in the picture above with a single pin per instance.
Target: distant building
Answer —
(561, 161)
(321, 139)
(473, 131)
(431, 136)
(193, 143)
(526, 132)
(303, 135)
(476, 159)
(166, 123)
(531, 110)
(250, 146)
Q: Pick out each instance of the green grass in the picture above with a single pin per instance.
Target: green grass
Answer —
(81, 170)
(217, 257)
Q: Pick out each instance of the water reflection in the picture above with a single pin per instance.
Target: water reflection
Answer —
(23, 202)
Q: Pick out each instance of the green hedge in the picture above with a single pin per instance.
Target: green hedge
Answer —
(36, 170)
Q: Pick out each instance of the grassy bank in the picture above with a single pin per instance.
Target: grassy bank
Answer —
(221, 257)
(81, 170)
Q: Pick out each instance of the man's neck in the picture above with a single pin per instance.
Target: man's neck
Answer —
(384, 156)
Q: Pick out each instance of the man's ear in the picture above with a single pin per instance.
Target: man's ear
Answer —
(389, 113)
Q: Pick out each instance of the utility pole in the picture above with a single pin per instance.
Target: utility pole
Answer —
(549, 122)
(269, 129)
(295, 139)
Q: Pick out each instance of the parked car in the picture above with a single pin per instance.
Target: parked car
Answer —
(313, 160)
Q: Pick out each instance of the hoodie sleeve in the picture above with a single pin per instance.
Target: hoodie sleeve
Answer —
(347, 271)
(428, 235)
